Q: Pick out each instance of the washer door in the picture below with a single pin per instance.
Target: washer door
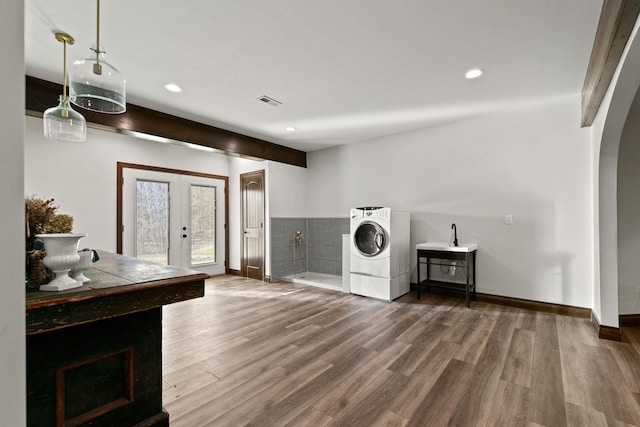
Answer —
(370, 238)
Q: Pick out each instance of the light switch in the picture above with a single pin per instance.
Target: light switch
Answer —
(508, 219)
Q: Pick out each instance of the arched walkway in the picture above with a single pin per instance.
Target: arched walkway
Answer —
(607, 133)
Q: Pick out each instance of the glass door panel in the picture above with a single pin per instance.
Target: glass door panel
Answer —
(151, 216)
(203, 224)
(152, 221)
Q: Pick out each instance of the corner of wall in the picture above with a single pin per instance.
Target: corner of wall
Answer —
(12, 304)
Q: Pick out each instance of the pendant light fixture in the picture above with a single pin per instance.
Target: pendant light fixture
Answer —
(95, 84)
(62, 122)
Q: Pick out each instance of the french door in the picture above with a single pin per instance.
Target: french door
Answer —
(174, 219)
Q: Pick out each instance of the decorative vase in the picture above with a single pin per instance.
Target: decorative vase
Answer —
(87, 257)
(62, 255)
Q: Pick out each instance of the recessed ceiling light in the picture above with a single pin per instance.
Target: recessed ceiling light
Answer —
(172, 87)
(473, 73)
(290, 129)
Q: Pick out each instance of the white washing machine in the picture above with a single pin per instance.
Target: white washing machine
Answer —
(380, 252)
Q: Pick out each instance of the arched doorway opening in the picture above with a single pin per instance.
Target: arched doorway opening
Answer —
(608, 133)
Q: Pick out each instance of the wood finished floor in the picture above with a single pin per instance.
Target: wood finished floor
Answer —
(283, 354)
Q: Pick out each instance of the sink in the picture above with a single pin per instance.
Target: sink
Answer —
(446, 246)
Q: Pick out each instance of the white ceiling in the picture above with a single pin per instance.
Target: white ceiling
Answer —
(345, 71)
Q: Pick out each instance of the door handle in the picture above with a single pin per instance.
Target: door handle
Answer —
(379, 240)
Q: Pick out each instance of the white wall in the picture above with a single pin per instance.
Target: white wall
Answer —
(288, 195)
(629, 218)
(12, 328)
(533, 162)
(82, 177)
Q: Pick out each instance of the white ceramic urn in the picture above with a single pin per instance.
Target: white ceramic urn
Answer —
(62, 255)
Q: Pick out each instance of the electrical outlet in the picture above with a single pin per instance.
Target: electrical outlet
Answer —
(508, 219)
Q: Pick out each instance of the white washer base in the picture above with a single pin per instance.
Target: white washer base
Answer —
(382, 288)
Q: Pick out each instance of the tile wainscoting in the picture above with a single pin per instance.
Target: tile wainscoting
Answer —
(320, 251)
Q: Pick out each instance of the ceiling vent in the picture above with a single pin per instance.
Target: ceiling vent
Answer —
(270, 101)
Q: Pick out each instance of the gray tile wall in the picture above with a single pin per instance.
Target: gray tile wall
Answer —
(320, 251)
(282, 247)
(324, 244)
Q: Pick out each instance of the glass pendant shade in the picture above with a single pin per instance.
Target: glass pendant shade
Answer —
(96, 85)
(64, 124)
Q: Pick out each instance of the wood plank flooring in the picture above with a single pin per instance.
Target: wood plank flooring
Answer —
(282, 354)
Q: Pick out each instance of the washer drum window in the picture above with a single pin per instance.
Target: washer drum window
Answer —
(370, 238)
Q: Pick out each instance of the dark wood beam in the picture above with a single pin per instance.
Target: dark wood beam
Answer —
(42, 94)
(617, 19)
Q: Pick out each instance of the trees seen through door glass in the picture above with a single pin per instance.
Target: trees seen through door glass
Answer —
(203, 224)
(152, 225)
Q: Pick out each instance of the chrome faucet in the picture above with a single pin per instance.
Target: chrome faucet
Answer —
(455, 234)
(296, 240)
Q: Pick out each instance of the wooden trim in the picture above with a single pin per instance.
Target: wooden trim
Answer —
(127, 389)
(595, 323)
(171, 170)
(42, 94)
(546, 307)
(119, 207)
(617, 19)
(120, 166)
(610, 333)
(44, 316)
(158, 420)
(235, 272)
(606, 332)
(629, 320)
(227, 255)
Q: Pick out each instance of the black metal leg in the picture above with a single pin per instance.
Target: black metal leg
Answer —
(418, 285)
(466, 262)
(474, 276)
(428, 274)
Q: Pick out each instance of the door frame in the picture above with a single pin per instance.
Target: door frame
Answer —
(120, 166)
(243, 261)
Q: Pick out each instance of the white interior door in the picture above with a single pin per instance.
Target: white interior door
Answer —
(174, 219)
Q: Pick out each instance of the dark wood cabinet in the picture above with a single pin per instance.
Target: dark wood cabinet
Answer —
(94, 354)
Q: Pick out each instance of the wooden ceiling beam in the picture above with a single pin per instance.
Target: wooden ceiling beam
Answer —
(42, 94)
(616, 23)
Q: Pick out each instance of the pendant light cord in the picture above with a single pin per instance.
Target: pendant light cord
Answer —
(97, 68)
(98, 30)
(65, 39)
(64, 68)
